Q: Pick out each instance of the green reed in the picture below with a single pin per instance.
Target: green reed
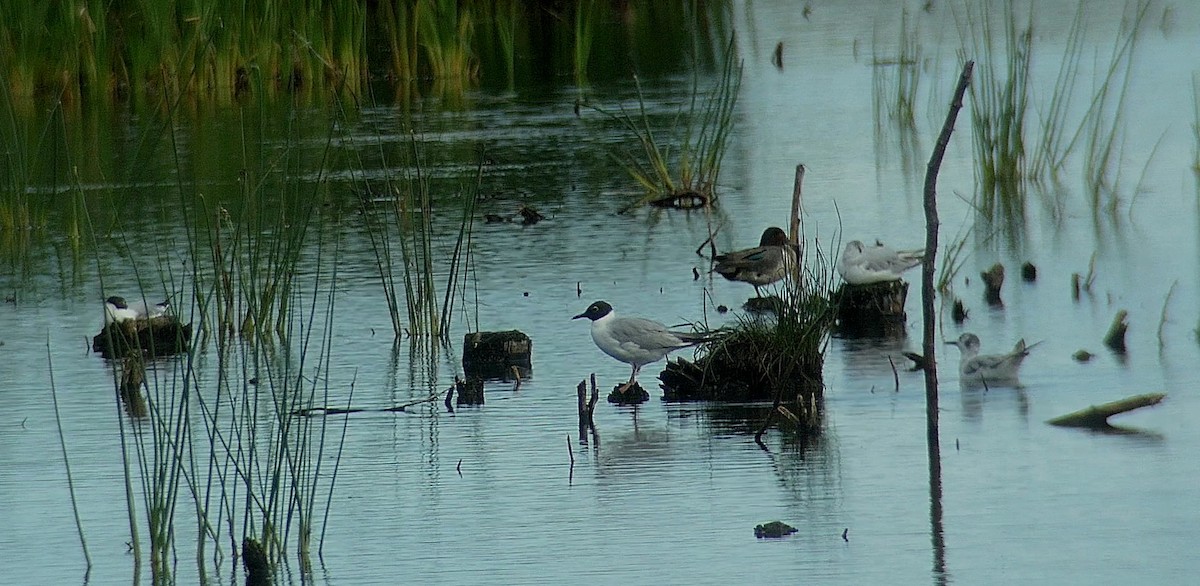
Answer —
(585, 24)
(219, 440)
(706, 123)
(895, 81)
(1100, 130)
(999, 105)
(151, 51)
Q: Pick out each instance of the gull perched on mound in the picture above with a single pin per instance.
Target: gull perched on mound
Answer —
(974, 368)
(633, 340)
(116, 310)
(862, 265)
(764, 264)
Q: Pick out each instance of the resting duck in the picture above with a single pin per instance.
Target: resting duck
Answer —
(770, 261)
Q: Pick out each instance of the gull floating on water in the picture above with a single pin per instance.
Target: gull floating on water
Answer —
(633, 340)
(862, 265)
(116, 309)
(990, 368)
(764, 264)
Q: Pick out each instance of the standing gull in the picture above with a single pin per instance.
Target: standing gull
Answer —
(633, 340)
(764, 264)
(988, 368)
(862, 265)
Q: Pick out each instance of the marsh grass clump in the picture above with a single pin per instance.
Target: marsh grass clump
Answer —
(762, 357)
(405, 235)
(685, 178)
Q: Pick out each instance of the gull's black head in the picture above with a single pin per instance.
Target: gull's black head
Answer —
(596, 311)
(773, 236)
(117, 302)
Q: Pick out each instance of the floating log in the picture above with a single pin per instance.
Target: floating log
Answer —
(152, 338)
(492, 355)
(874, 310)
(993, 279)
(1096, 416)
(1115, 338)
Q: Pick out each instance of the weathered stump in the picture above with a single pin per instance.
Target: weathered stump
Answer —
(133, 376)
(153, 337)
(1029, 272)
(492, 355)
(993, 280)
(1115, 338)
(874, 310)
(587, 409)
(256, 563)
(470, 391)
(633, 395)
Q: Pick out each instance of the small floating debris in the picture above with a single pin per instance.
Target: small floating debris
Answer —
(1096, 416)
(993, 280)
(773, 530)
(686, 200)
(525, 215)
(1082, 355)
(529, 215)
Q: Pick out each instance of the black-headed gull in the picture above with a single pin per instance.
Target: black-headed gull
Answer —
(633, 340)
(974, 368)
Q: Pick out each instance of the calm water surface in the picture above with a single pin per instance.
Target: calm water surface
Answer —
(672, 492)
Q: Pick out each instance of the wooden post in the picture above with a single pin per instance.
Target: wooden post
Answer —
(928, 317)
(794, 228)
